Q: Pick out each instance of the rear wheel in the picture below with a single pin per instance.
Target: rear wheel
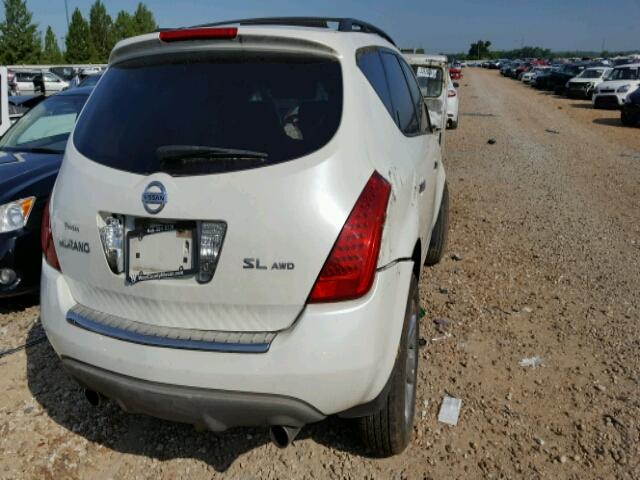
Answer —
(440, 232)
(388, 431)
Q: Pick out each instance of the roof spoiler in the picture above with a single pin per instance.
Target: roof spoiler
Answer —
(343, 24)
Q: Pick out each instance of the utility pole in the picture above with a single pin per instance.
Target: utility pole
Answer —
(66, 9)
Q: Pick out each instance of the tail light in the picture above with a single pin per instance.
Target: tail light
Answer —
(199, 34)
(46, 239)
(452, 93)
(112, 238)
(348, 271)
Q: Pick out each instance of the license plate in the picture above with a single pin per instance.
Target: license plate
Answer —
(160, 251)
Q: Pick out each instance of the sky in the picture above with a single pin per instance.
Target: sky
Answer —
(436, 26)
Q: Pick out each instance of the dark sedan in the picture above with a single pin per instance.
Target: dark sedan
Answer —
(557, 81)
(31, 152)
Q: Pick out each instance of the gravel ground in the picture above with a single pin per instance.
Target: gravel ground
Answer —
(546, 238)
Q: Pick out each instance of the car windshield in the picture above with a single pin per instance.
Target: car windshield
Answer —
(624, 73)
(591, 73)
(430, 80)
(46, 127)
(280, 106)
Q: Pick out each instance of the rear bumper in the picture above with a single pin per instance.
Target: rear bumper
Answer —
(334, 358)
(212, 409)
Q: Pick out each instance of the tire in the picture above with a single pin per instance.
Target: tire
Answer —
(628, 119)
(453, 125)
(389, 431)
(440, 232)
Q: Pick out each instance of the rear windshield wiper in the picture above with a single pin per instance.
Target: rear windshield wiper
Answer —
(170, 153)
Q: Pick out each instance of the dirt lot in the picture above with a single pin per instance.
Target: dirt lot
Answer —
(546, 229)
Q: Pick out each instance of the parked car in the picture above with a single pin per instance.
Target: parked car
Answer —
(22, 83)
(522, 69)
(455, 71)
(621, 81)
(530, 76)
(65, 73)
(257, 264)
(583, 85)
(630, 115)
(49, 83)
(431, 73)
(542, 79)
(558, 79)
(452, 105)
(30, 157)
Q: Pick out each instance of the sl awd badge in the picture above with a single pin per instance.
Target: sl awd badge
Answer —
(154, 197)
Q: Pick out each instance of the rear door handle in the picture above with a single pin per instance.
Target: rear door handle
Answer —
(423, 186)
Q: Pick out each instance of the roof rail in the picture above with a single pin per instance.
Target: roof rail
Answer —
(344, 24)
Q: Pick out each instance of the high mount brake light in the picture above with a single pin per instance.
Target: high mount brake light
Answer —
(46, 239)
(199, 34)
(349, 270)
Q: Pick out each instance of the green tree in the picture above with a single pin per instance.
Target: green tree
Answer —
(19, 38)
(77, 41)
(122, 27)
(100, 33)
(143, 20)
(51, 52)
(479, 49)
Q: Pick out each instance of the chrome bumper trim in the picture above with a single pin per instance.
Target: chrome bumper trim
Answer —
(168, 337)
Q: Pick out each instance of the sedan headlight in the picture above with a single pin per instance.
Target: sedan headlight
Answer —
(623, 89)
(14, 215)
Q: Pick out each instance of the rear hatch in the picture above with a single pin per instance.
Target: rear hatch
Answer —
(217, 173)
(431, 81)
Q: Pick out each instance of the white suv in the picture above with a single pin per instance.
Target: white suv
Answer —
(249, 256)
(612, 92)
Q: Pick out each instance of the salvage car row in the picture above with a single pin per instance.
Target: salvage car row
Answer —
(607, 84)
(279, 225)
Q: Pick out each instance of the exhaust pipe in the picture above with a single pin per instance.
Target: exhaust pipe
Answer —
(93, 397)
(282, 436)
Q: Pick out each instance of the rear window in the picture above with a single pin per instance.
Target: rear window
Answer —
(430, 80)
(274, 108)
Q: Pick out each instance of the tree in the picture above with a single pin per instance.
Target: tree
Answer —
(100, 33)
(77, 41)
(19, 38)
(479, 50)
(143, 20)
(51, 52)
(123, 27)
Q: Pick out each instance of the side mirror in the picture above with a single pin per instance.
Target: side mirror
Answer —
(456, 85)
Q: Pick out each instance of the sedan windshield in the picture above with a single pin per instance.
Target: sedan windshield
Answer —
(46, 127)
